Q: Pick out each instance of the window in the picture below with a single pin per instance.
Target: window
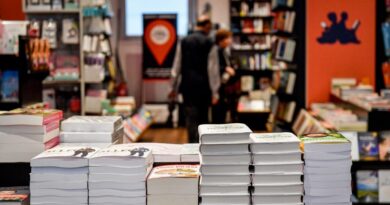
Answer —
(136, 8)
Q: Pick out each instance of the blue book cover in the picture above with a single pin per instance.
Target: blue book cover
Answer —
(368, 146)
(386, 37)
(10, 86)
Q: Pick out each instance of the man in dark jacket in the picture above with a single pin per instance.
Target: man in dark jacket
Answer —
(195, 76)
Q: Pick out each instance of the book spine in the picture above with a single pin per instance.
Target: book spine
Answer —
(52, 143)
(53, 117)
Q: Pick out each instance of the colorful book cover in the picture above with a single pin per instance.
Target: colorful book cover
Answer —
(10, 86)
(367, 186)
(368, 146)
(384, 146)
(179, 170)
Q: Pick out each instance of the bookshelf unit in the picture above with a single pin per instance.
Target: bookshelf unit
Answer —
(259, 35)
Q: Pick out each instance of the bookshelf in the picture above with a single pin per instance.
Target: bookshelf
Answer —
(81, 14)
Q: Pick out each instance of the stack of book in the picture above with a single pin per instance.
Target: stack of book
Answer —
(225, 161)
(24, 133)
(60, 175)
(14, 196)
(278, 169)
(117, 175)
(173, 185)
(327, 169)
(92, 129)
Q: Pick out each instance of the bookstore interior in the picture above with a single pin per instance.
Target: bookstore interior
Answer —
(187, 102)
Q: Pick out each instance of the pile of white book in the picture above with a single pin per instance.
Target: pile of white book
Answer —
(60, 176)
(92, 129)
(173, 153)
(24, 133)
(225, 161)
(117, 175)
(327, 169)
(173, 185)
(278, 169)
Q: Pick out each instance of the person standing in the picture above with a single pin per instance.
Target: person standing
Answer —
(223, 40)
(195, 75)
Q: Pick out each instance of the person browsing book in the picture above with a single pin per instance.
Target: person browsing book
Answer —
(195, 75)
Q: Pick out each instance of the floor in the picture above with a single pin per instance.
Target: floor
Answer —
(165, 135)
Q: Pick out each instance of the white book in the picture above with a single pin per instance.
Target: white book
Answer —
(225, 180)
(59, 185)
(275, 179)
(122, 155)
(57, 170)
(242, 159)
(28, 138)
(327, 199)
(190, 153)
(59, 192)
(164, 152)
(321, 156)
(29, 129)
(278, 168)
(384, 186)
(353, 137)
(140, 177)
(277, 158)
(328, 191)
(41, 177)
(57, 199)
(277, 199)
(329, 170)
(95, 137)
(221, 149)
(296, 189)
(116, 185)
(328, 177)
(329, 163)
(104, 199)
(91, 124)
(14, 157)
(119, 170)
(112, 192)
(323, 184)
(22, 148)
(226, 199)
(224, 133)
(172, 199)
(64, 156)
(205, 190)
(224, 170)
(274, 142)
(174, 179)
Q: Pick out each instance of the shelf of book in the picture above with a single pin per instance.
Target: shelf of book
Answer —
(251, 17)
(60, 11)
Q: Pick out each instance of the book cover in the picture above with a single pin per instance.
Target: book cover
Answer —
(10, 86)
(30, 116)
(384, 146)
(368, 146)
(178, 171)
(384, 186)
(325, 138)
(283, 137)
(68, 152)
(124, 150)
(367, 186)
(232, 128)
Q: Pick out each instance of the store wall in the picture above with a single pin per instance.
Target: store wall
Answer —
(325, 61)
(11, 10)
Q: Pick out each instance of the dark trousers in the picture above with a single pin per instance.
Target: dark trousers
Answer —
(195, 114)
(218, 112)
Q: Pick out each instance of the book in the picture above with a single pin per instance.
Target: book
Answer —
(164, 152)
(223, 190)
(190, 153)
(276, 179)
(384, 146)
(294, 167)
(221, 149)
(30, 129)
(93, 137)
(384, 186)
(28, 116)
(238, 159)
(224, 133)
(180, 179)
(226, 199)
(274, 143)
(225, 170)
(368, 146)
(91, 124)
(10, 86)
(14, 195)
(367, 186)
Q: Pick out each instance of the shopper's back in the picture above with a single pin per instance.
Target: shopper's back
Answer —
(195, 50)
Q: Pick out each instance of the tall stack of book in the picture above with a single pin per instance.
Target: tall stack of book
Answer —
(278, 169)
(60, 175)
(92, 129)
(327, 169)
(173, 185)
(117, 175)
(225, 161)
(24, 133)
